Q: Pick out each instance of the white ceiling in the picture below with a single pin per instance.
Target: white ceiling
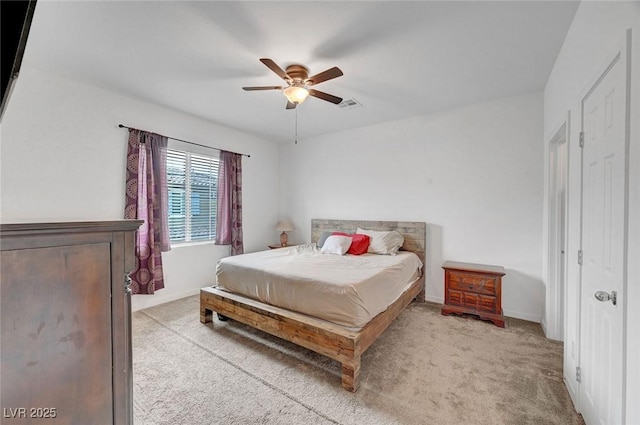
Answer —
(399, 59)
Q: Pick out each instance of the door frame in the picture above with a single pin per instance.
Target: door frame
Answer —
(556, 292)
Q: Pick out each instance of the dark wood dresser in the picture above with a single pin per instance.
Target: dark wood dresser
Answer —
(473, 289)
(66, 322)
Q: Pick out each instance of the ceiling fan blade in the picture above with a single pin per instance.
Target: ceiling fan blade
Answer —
(275, 68)
(291, 105)
(262, 88)
(324, 76)
(325, 96)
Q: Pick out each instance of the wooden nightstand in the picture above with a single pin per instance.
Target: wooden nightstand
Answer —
(277, 246)
(473, 289)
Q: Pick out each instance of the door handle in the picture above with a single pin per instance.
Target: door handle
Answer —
(605, 296)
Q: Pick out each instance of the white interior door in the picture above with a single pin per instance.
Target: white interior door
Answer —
(604, 174)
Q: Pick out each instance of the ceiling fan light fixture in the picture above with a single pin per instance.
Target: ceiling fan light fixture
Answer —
(295, 94)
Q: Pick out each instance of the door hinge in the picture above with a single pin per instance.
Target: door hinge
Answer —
(582, 139)
(580, 257)
(578, 374)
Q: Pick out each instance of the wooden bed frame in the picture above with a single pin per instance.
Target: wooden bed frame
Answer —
(329, 339)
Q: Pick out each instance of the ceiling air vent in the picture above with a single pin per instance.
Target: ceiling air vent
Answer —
(350, 104)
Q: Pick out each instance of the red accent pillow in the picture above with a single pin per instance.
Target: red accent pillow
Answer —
(359, 243)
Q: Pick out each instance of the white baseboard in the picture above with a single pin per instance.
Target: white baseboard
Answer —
(435, 299)
(523, 316)
(140, 302)
(543, 323)
(508, 313)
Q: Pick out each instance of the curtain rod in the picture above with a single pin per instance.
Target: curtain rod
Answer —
(185, 141)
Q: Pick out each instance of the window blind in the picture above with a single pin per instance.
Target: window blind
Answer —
(192, 184)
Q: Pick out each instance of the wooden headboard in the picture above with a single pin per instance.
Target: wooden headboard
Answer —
(414, 232)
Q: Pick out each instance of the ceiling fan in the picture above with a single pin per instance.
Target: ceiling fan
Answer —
(298, 83)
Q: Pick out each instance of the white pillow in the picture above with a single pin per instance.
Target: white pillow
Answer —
(336, 245)
(385, 243)
(308, 247)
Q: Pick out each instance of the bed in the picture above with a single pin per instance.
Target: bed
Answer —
(342, 341)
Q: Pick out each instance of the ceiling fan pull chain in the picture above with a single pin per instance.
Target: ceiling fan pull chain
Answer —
(296, 141)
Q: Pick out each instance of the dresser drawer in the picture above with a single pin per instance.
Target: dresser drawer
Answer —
(473, 283)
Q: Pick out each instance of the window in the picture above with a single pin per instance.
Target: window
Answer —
(192, 180)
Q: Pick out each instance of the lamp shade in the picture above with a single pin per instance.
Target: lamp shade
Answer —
(295, 94)
(284, 226)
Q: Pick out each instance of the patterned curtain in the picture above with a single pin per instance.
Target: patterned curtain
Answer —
(229, 220)
(147, 199)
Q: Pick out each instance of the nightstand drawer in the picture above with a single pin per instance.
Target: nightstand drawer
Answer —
(478, 302)
(470, 300)
(455, 297)
(467, 282)
(486, 303)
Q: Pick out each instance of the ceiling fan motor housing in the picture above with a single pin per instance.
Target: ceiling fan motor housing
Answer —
(297, 73)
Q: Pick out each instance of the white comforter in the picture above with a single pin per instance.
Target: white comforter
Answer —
(349, 290)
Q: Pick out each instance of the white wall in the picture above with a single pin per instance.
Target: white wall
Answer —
(63, 159)
(596, 29)
(473, 174)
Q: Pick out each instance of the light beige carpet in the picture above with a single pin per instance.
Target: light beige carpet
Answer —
(425, 369)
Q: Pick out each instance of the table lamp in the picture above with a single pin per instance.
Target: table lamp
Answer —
(284, 226)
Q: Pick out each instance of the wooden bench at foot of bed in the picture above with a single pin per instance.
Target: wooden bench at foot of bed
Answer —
(328, 339)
